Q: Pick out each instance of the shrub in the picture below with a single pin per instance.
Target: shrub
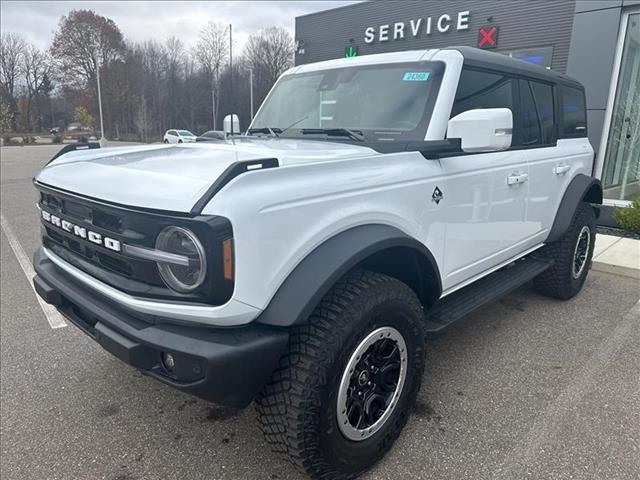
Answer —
(629, 217)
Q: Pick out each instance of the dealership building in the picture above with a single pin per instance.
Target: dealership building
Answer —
(595, 41)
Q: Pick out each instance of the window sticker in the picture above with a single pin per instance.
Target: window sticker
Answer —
(415, 77)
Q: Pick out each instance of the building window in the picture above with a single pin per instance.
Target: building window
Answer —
(540, 56)
(621, 175)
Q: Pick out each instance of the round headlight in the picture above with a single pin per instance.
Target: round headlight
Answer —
(180, 241)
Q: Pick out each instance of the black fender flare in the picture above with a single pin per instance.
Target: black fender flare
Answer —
(582, 188)
(314, 276)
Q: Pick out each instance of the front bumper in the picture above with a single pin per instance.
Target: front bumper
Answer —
(227, 366)
(230, 314)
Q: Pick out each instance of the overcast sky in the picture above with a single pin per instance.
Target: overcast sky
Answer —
(37, 21)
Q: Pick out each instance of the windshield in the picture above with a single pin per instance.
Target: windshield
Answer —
(376, 102)
(185, 133)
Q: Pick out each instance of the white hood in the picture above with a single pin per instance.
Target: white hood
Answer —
(175, 177)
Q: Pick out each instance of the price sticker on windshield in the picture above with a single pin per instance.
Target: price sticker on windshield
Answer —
(415, 77)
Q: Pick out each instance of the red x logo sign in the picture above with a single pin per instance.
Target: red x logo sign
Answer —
(488, 37)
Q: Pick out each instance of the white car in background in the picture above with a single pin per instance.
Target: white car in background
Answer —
(179, 136)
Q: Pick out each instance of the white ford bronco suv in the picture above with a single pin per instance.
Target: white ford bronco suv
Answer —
(373, 201)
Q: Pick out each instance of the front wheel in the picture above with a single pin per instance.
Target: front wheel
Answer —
(342, 393)
(571, 255)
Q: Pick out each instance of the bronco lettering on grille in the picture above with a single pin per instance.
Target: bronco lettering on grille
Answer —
(81, 232)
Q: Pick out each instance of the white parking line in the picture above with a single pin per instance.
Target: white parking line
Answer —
(53, 316)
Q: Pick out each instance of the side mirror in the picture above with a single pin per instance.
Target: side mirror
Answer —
(482, 130)
(227, 124)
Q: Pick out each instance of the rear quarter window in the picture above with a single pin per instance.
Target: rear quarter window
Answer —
(574, 112)
(531, 128)
(543, 95)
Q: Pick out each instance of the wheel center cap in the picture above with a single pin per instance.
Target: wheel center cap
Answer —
(363, 378)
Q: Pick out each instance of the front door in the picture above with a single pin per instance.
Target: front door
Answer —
(486, 193)
(486, 198)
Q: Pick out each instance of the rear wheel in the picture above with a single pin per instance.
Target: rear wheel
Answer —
(342, 393)
(571, 254)
(166, 141)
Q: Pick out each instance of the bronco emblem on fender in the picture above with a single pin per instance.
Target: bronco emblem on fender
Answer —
(437, 195)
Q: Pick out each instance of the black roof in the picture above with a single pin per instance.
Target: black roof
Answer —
(496, 61)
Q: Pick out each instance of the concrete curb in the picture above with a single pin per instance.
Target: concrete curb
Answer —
(619, 256)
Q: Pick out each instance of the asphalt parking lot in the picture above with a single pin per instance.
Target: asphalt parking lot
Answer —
(526, 387)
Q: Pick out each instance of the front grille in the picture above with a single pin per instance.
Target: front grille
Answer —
(110, 262)
(133, 227)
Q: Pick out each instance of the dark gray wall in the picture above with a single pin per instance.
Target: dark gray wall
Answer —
(594, 37)
(523, 24)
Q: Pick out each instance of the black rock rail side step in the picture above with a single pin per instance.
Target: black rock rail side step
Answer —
(458, 304)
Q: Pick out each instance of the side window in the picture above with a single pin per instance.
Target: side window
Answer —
(478, 89)
(530, 126)
(574, 114)
(482, 90)
(543, 95)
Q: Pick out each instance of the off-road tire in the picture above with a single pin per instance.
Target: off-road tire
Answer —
(297, 408)
(558, 281)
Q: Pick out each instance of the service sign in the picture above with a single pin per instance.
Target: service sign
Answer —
(417, 27)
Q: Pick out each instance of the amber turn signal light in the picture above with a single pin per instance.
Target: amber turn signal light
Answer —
(227, 258)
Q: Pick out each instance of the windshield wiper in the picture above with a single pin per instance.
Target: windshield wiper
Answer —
(271, 131)
(295, 123)
(339, 132)
(276, 131)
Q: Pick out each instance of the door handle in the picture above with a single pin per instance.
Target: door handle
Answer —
(517, 178)
(561, 169)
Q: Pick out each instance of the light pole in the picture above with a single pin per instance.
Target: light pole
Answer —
(213, 104)
(251, 91)
(231, 74)
(102, 139)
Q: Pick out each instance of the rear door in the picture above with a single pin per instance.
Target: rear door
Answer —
(486, 206)
(556, 150)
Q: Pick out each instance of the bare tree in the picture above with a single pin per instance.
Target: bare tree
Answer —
(6, 117)
(12, 48)
(211, 52)
(83, 42)
(143, 120)
(270, 52)
(147, 87)
(175, 62)
(153, 65)
(37, 65)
